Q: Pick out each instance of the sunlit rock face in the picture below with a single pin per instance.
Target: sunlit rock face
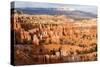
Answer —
(53, 38)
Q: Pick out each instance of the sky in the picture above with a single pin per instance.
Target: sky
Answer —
(86, 8)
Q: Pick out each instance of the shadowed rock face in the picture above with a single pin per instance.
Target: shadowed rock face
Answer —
(43, 39)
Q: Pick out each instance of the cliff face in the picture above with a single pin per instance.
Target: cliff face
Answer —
(49, 26)
(57, 36)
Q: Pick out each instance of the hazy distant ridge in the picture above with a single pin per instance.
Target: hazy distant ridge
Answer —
(76, 14)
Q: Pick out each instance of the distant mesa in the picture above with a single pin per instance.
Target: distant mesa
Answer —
(70, 12)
